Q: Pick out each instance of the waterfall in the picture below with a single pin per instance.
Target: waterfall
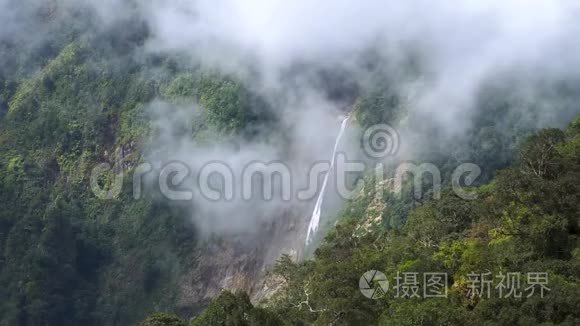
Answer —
(315, 219)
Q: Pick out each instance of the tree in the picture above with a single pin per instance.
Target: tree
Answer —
(235, 309)
(162, 319)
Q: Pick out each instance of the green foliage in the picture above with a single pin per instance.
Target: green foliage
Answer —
(161, 319)
(227, 105)
(526, 220)
(234, 309)
(67, 258)
(381, 106)
(184, 86)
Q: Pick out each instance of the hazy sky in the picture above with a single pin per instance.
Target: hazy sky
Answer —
(462, 44)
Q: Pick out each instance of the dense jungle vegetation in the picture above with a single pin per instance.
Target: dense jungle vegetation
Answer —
(74, 100)
(525, 220)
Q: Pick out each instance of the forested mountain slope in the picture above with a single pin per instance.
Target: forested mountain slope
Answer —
(526, 220)
(115, 86)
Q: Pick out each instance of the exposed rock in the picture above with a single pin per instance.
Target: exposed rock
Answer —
(243, 262)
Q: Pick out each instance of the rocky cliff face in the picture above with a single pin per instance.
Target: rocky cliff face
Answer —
(243, 262)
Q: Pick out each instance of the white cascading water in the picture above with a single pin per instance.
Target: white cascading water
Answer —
(315, 219)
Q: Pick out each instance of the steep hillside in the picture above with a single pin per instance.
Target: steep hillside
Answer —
(111, 110)
(526, 220)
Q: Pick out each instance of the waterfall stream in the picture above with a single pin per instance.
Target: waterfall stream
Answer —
(315, 219)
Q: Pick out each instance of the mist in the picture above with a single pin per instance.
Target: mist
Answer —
(460, 44)
(462, 48)
(280, 49)
(307, 139)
